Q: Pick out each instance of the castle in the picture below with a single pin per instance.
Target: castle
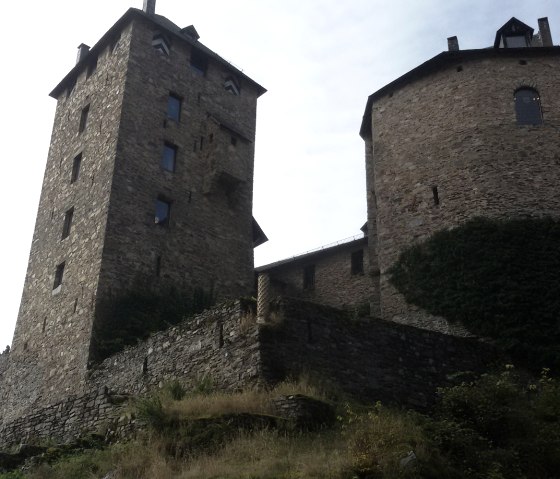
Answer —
(149, 182)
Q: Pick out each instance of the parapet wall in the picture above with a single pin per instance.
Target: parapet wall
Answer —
(369, 358)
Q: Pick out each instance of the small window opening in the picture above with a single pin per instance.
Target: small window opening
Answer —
(67, 223)
(435, 195)
(158, 266)
(528, 107)
(309, 277)
(75, 305)
(59, 273)
(357, 262)
(44, 325)
(145, 365)
(76, 164)
(523, 62)
(460, 68)
(220, 335)
(169, 157)
(161, 43)
(25, 346)
(174, 107)
(83, 118)
(234, 141)
(199, 62)
(163, 209)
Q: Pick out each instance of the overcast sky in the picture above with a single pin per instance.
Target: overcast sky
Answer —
(319, 61)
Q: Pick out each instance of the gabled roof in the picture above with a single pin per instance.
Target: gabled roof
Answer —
(187, 35)
(513, 27)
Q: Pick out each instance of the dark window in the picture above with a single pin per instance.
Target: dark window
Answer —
(169, 157)
(528, 107)
(84, 118)
(163, 208)
(199, 62)
(161, 43)
(516, 41)
(76, 164)
(357, 262)
(309, 276)
(59, 273)
(174, 107)
(435, 194)
(67, 223)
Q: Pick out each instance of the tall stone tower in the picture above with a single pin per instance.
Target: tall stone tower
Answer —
(148, 181)
(467, 133)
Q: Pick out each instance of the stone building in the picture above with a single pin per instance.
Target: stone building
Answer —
(467, 133)
(337, 275)
(148, 182)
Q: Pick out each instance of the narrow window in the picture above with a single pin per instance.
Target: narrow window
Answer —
(169, 157)
(174, 107)
(163, 208)
(59, 273)
(357, 262)
(161, 43)
(76, 164)
(528, 107)
(158, 266)
(75, 305)
(435, 195)
(84, 118)
(309, 276)
(67, 223)
(199, 62)
(145, 365)
(44, 324)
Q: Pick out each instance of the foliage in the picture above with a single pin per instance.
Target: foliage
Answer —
(175, 390)
(125, 318)
(501, 279)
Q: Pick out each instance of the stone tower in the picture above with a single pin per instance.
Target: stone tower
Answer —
(148, 181)
(467, 133)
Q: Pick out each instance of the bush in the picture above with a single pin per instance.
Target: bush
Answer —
(500, 279)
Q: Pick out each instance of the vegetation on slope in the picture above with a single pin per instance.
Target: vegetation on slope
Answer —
(501, 279)
(497, 427)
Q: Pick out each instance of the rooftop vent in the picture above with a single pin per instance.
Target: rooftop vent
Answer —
(149, 7)
(83, 50)
(191, 32)
(453, 44)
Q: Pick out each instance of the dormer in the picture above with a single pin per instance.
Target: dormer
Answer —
(514, 34)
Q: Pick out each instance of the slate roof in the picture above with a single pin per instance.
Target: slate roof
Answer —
(168, 27)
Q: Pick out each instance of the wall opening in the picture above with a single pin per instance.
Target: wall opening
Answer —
(435, 194)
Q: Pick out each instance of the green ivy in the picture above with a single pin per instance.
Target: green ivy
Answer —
(500, 278)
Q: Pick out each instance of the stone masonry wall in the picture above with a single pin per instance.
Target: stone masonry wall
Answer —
(455, 129)
(335, 285)
(52, 335)
(368, 358)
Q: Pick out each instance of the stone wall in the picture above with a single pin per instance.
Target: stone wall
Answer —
(334, 282)
(454, 128)
(369, 358)
(220, 345)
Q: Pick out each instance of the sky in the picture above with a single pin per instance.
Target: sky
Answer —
(319, 61)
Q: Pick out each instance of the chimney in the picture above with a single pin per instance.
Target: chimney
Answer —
(453, 44)
(544, 30)
(150, 7)
(83, 50)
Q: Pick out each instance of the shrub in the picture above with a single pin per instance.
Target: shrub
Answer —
(501, 279)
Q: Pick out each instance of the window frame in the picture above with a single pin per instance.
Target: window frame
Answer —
(527, 115)
(84, 115)
(357, 262)
(59, 275)
(160, 200)
(67, 225)
(169, 147)
(76, 168)
(179, 100)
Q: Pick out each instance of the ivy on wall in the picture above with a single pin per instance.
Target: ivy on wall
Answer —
(500, 278)
(126, 318)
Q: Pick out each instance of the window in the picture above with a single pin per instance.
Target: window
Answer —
(163, 208)
(357, 262)
(528, 107)
(76, 164)
(199, 62)
(174, 107)
(161, 44)
(516, 41)
(435, 194)
(84, 118)
(169, 157)
(309, 276)
(59, 273)
(67, 223)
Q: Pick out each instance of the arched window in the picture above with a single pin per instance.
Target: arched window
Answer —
(528, 106)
